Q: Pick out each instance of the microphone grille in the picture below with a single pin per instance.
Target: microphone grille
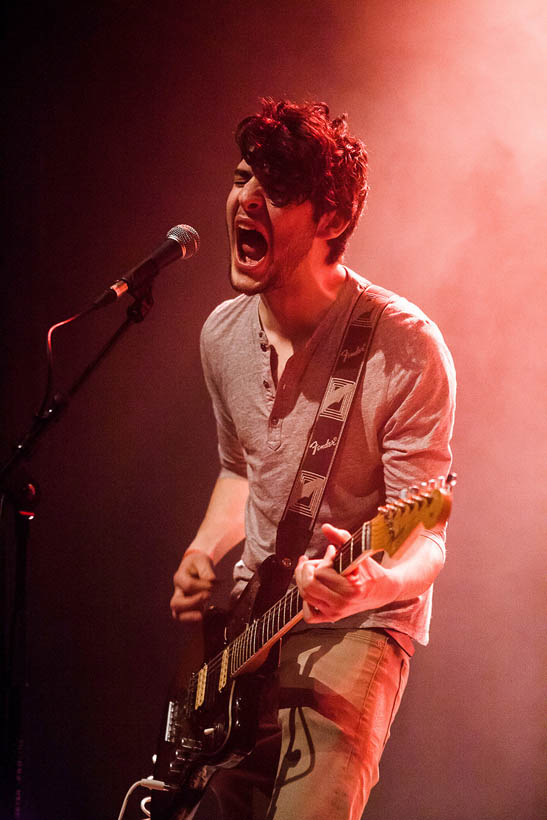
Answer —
(187, 237)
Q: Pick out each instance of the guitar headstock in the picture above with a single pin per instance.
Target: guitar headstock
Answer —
(429, 504)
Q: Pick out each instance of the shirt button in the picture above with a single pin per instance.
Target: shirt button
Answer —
(263, 346)
(266, 384)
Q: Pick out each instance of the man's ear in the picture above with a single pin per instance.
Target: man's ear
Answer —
(331, 224)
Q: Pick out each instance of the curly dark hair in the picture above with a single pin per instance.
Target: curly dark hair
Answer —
(297, 153)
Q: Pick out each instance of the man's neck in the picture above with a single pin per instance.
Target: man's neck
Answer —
(292, 313)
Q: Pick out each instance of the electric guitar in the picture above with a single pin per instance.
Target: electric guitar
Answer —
(210, 721)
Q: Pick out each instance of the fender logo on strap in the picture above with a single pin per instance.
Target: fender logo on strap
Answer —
(315, 447)
(351, 354)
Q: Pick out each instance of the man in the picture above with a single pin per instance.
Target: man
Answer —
(297, 194)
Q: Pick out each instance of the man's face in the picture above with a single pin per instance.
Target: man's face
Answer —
(268, 244)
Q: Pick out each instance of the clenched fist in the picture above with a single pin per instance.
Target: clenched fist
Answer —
(193, 582)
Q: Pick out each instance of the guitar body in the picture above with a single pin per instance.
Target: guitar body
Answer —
(221, 731)
(211, 717)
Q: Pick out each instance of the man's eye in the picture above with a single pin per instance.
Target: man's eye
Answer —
(239, 182)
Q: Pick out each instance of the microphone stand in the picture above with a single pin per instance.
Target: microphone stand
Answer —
(23, 493)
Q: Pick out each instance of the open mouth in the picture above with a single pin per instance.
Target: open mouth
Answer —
(251, 245)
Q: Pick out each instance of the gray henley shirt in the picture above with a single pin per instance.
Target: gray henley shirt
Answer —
(397, 434)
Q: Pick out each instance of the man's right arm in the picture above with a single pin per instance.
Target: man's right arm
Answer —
(221, 529)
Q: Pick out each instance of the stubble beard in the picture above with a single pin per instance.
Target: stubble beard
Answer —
(243, 283)
(279, 274)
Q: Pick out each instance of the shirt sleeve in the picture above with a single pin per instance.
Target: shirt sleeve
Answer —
(231, 454)
(420, 404)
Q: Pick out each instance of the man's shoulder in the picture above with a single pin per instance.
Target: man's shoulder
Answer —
(403, 326)
(399, 310)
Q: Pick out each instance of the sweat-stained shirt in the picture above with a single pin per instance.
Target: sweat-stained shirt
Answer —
(397, 433)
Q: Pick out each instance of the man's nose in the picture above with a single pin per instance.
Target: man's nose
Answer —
(251, 196)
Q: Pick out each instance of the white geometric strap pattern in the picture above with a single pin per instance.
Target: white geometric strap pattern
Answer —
(296, 525)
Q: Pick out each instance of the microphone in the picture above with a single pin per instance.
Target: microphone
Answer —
(182, 240)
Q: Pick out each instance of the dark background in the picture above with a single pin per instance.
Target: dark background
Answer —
(119, 120)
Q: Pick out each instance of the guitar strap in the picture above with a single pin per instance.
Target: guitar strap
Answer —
(296, 525)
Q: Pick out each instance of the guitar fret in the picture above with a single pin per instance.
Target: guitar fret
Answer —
(364, 539)
(247, 643)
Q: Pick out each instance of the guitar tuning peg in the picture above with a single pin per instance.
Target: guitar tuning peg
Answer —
(451, 479)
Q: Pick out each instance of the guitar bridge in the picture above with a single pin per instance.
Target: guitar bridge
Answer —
(173, 712)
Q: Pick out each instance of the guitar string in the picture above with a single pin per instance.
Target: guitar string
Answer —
(242, 644)
(269, 617)
(245, 642)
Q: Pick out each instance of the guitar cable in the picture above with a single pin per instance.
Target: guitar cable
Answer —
(146, 783)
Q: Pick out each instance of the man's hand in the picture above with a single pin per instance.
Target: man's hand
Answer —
(193, 582)
(329, 596)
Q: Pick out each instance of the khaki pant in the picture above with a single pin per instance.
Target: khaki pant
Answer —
(337, 696)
